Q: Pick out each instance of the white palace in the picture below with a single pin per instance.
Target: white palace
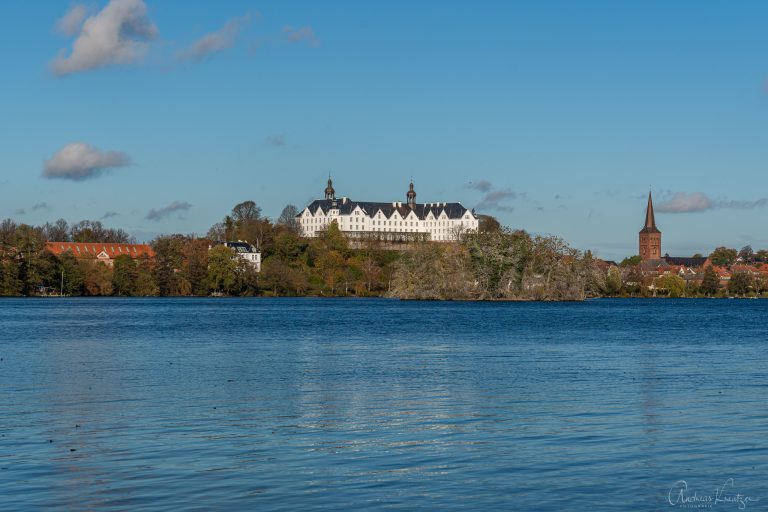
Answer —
(394, 221)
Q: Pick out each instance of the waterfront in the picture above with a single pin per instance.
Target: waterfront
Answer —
(285, 404)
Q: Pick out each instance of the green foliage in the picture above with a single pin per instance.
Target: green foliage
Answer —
(740, 283)
(631, 261)
(613, 283)
(498, 260)
(723, 256)
(72, 274)
(495, 263)
(672, 284)
(124, 275)
(488, 224)
(221, 269)
(710, 284)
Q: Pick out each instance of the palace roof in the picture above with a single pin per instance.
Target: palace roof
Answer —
(346, 206)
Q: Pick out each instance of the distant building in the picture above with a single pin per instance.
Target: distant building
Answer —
(103, 252)
(246, 252)
(395, 221)
(650, 236)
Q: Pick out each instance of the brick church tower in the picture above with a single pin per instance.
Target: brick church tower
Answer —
(650, 236)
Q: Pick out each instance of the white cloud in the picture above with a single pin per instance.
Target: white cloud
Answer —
(79, 161)
(686, 203)
(117, 34)
(161, 213)
(696, 202)
(72, 21)
(301, 34)
(217, 41)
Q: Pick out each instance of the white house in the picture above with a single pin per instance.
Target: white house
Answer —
(441, 221)
(246, 252)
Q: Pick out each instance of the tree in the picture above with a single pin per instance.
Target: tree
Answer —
(288, 219)
(57, 232)
(762, 255)
(97, 278)
(145, 280)
(169, 259)
(10, 283)
(631, 261)
(498, 260)
(195, 265)
(34, 268)
(723, 256)
(245, 211)
(221, 269)
(675, 285)
(124, 275)
(94, 231)
(740, 283)
(746, 253)
(330, 265)
(73, 274)
(710, 283)
(488, 224)
(371, 273)
(613, 281)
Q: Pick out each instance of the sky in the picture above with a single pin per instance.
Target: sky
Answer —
(555, 117)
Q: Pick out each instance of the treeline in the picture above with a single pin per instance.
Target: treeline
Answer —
(631, 282)
(496, 263)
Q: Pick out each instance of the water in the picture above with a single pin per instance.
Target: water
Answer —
(302, 404)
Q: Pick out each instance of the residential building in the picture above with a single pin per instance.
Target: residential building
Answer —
(246, 252)
(103, 252)
(394, 221)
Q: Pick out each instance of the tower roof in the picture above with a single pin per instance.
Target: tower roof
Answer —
(650, 219)
(330, 193)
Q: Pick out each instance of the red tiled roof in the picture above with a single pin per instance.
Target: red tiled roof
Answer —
(92, 250)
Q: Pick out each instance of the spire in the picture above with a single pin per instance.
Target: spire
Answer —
(330, 193)
(650, 219)
(411, 195)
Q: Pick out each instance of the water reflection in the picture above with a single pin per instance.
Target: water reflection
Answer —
(285, 404)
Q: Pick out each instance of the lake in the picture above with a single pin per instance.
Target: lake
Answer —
(306, 404)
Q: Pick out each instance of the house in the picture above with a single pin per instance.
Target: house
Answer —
(245, 252)
(103, 252)
(395, 221)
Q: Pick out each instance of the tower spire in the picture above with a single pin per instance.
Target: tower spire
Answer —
(330, 193)
(411, 195)
(650, 236)
(650, 220)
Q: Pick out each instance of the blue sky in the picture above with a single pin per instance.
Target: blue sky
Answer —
(556, 117)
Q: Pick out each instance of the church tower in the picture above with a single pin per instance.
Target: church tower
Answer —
(330, 193)
(650, 236)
